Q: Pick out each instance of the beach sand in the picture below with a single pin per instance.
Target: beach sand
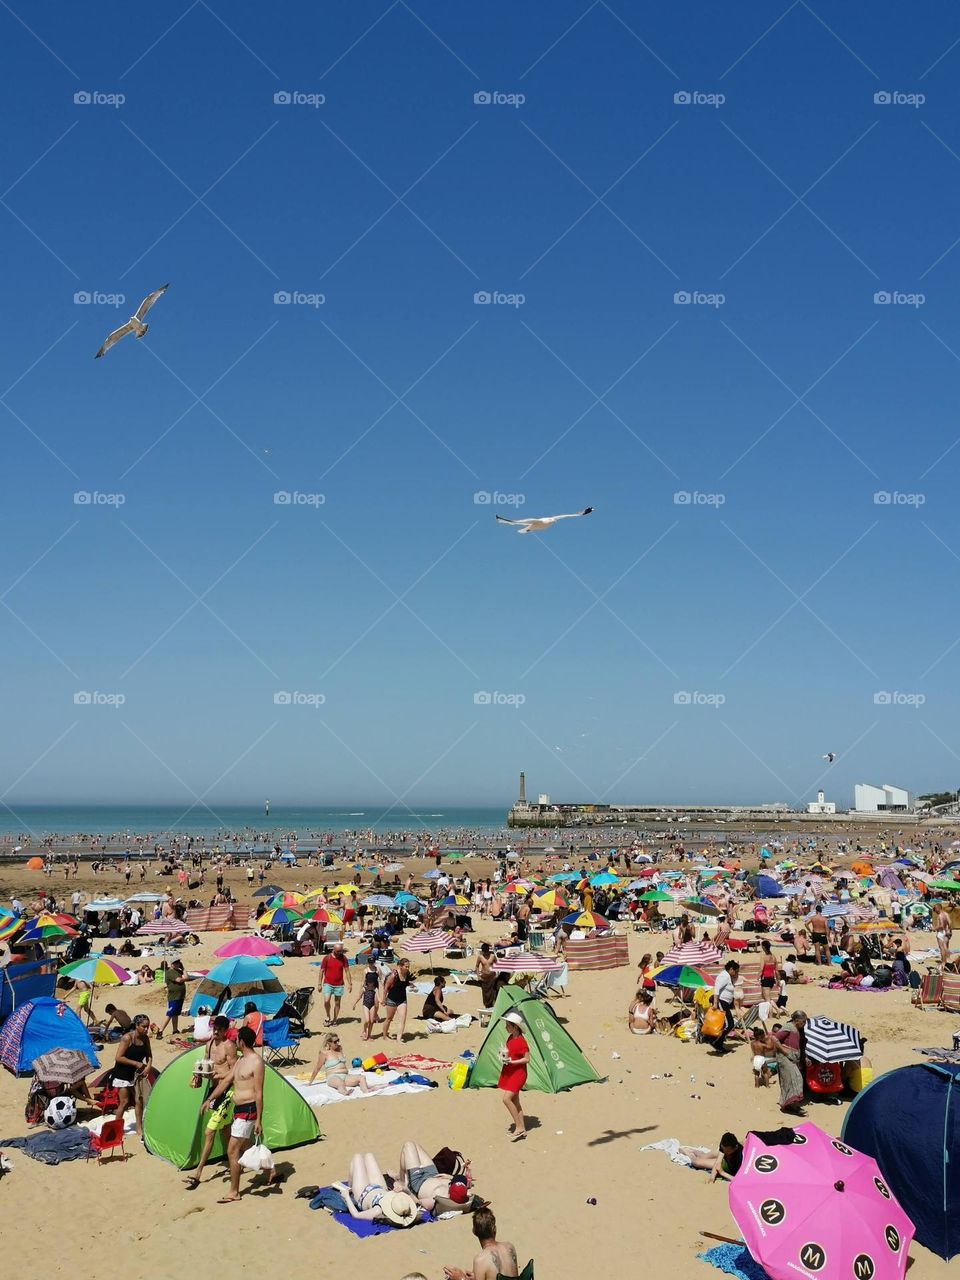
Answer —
(137, 1218)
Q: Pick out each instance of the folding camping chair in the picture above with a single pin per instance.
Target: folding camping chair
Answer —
(278, 1044)
(296, 1007)
(930, 989)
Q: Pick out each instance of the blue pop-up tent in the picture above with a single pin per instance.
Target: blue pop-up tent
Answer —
(39, 1026)
(909, 1121)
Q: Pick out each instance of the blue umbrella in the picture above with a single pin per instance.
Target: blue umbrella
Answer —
(562, 877)
(267, 1002)
(434, 874)
(247, 979)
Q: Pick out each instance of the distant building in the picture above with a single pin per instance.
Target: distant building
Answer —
(885, 799)
(821, 806)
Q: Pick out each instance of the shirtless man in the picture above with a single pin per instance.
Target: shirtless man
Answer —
(820, 936)
(223, 1054)
(246, 1080)
(119, 1016)
(944, 931)
(496, 1257)
(134, 1059)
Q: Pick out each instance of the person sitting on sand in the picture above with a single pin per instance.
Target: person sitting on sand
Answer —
(642, 1014)
(496, 1260)
(367, 1198)
(419, 1176)
(331, 1060)
(724, 1163)
(119, 1016)
(433, 1006)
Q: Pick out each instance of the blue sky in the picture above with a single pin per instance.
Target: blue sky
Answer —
(629, 154)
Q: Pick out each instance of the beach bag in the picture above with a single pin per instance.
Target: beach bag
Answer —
(451, 1163)
(457, 1078)
(713, 1024)
(257, 1157)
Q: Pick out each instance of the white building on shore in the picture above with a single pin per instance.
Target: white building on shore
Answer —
(885, 799)
(820, 805)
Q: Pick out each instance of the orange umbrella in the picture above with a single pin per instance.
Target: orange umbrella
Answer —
(34, 864)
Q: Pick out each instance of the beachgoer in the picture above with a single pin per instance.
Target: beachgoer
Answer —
(496, 1260)
(724, 995)
(433, 1006)
(944, 930)
(368, 1199)
(642, 1015)
(119, 1016)
(395, 999)
(724, 1163)
(419, 1175)
(820, 936)
(514, 1055)
(483, 968)
(176, 994)
(369, 995)
(768, 970)
(334, 968)
(331, 1060)
(246, 1081)
(134, 1059)
(222, 1054)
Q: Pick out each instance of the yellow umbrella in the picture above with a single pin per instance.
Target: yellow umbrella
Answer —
(346, 889)
(549, 901)
(316, 893)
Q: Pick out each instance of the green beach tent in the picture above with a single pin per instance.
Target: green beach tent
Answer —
(556, 1060)
(173, 1126)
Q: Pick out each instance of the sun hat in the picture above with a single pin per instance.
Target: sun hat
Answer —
(399, 1208)
(514, 1017)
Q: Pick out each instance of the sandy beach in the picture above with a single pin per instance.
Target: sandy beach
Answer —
(583, 1146)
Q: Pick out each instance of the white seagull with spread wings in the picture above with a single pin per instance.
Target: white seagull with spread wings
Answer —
(533, 524)
(135, 323)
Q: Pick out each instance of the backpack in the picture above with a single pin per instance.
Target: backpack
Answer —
(450, 1162)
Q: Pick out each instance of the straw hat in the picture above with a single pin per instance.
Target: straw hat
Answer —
(399, 1208)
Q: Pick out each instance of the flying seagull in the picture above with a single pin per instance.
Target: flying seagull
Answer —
(135, 323)
(533, 524)
(830, 757)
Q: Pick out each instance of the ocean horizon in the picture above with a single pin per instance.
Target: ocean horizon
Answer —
(37, 821)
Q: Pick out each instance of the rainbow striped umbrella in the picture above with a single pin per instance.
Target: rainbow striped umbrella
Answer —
(551, 900)
(519, 886)
(279, 915)
(35, 931)
(455, 900)
(585, 920)
(97, 970)
(322, 915)
(286, 899)
(9, 924)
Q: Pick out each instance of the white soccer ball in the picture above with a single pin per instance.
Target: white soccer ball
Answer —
(60, 1113)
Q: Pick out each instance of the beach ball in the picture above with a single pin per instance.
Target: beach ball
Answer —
(60, 1113)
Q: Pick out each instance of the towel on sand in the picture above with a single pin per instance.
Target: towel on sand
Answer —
(53, 1146)
(672, 1147)
(358, 1226)
(321, 1095)
(734, 1260)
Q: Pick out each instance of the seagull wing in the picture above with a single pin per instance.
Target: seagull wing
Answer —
(149, 300)
(504, 520)
(572, 515)
(115, 337)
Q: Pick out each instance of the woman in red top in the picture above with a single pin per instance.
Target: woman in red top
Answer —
(513, 1074)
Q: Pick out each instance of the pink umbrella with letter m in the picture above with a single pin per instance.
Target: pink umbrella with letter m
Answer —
(815, 1209)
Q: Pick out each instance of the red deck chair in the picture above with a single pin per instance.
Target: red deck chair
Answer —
(108, 1139)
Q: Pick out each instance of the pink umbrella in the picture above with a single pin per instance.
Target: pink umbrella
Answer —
(527, 962)
(816, 1208)
(248, 946)
(693, 954)
(429, 940)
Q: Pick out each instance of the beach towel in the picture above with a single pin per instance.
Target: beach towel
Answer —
(328, 1196)
(672, 1147)
(53, 1146)
(838, 986)
(416, 1062)
(734, 1260)
(321, 1095)
(941, 1055)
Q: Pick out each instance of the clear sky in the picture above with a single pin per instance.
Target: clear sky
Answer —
(618, 156)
